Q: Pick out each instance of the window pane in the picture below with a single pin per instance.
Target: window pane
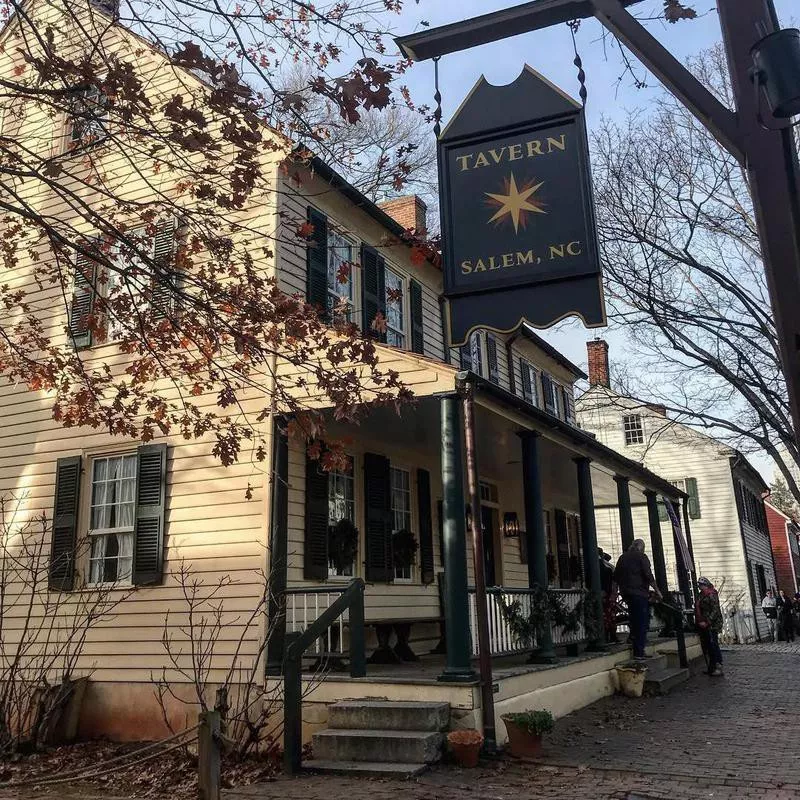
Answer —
(395, 334)
(401, 510)
(341, 505)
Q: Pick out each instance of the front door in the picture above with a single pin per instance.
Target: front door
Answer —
(487, 524)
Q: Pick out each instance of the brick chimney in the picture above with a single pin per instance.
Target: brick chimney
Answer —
(597, 350)
(410, 211)
(658, 408)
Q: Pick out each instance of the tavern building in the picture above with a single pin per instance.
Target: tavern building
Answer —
(541, 478)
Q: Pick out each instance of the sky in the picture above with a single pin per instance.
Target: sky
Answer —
(611, 94)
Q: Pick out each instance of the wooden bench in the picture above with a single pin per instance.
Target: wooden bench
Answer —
(401, 625)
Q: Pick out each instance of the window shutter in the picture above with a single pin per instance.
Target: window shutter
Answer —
(491, 357)
(663, 516)
(317, 261)
(373, 290)
(693, 505)
(65, 523)
(465, 353)
(378, 512)
(549, 394)
(82, 305)
(527, 389)
(148, 539)
(315, 551)
(425, 525)
(569, 403)
(164, 280)
(417, 331)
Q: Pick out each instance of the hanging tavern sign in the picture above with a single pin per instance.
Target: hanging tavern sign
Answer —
(518, 224)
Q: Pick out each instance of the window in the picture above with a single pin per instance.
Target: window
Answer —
(549, 394)
(633, 429)
(401, 511)
(489, 493)
(341, 505)
(529, 382)
(762, 581)
(89, 117)
(111, 519)
(395, 321)
(340, 281)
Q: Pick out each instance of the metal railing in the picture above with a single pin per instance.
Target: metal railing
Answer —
(304, 604)
(351, 599)
(502, 641)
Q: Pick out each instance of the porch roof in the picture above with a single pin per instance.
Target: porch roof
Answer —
(584, 443)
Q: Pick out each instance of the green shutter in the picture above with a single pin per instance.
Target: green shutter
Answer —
(378, 518)
(148, 540)
(491, 357)
(693, 504)
(373, 290)
(425, 524)
(662, 511)
(164, 281)
(65, 524)
(527, 388)
(82, 304)
(417, 330)
(549, 394)
(317, 261)
(315, 551)
(465, 354)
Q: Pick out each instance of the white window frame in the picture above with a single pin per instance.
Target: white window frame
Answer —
(401, 333)
(394, 468)
(630, 429)
(335, 294)
(93, 95)
(338, 474)
(105, 532)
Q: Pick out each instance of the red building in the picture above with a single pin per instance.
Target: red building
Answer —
(783, 534)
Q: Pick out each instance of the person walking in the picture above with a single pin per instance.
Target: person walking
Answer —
(708, 616)
(609, 591)
(770, 608)
(634, 577)
(785, 620)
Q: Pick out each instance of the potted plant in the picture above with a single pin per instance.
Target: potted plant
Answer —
(525, 730)
(465, 745)
(342, 545)
(632, 676)
(404, 548)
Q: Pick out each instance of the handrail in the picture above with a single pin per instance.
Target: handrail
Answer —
(297, 643)
(326, 589)
(679, 633)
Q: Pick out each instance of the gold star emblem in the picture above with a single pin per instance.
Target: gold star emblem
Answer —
(516, 203)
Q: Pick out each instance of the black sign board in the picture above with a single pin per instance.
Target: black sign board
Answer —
(518, 224)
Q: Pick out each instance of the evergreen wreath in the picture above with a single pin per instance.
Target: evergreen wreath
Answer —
(404, 548)
(342, 545)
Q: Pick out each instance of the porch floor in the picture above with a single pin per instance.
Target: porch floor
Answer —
(429, 667)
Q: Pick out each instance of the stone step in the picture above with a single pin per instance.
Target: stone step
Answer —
(386, 715)
(655, 662)
(664, 680)
(397, 747)
(365, 769)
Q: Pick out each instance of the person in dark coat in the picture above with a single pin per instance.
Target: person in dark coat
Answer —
(785, 619)
(634, 577)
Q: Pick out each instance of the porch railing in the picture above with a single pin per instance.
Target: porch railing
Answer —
(304, 604)
(501, 640)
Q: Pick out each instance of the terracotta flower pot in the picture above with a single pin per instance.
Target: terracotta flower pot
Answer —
(521, 742)
(465, 746)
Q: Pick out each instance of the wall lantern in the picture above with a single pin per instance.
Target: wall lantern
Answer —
(776, 62)
(510, 525)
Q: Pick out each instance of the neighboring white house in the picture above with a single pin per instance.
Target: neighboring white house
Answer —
(729, 533)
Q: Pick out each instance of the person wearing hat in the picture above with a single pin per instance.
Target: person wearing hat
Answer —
(708, 616)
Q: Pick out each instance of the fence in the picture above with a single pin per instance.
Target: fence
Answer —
(304, 605)
(502, 641)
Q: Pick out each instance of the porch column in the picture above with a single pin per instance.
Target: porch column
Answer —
(278, 548)
(454, 558)
(688, 532)
(659, 564)
(625, 515)
(591, 562)
(535, 533)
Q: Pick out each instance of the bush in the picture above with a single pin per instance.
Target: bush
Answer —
(535, 722)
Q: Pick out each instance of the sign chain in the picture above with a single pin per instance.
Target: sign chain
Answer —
(573, 26)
